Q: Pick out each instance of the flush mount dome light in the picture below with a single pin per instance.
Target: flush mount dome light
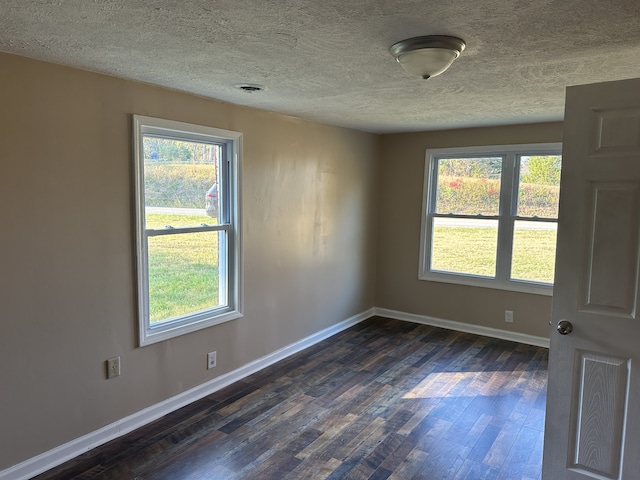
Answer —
(427, 56)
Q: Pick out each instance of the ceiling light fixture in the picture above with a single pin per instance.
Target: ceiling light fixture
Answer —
(427, 56)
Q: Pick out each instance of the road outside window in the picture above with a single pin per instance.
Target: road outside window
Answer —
(490, 216)
(187, 218)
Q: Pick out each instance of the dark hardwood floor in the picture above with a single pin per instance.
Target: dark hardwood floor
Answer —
(383, 399)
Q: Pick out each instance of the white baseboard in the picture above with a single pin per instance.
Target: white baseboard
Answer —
(464, 327)
(52, 458)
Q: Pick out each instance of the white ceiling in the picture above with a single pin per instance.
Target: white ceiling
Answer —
(328, 60)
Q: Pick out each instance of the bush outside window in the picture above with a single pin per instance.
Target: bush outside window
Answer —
(187, 216)
(490, 216)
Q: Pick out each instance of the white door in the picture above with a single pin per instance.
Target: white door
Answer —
(593, 404)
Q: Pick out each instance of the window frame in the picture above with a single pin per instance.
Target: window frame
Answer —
(230, 221)
(507, 215)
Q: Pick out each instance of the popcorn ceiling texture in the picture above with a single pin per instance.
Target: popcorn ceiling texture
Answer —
(328, 61)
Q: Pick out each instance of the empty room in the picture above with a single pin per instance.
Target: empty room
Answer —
(319, 240)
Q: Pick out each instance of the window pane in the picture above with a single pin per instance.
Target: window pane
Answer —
(534, 251)
(469, 186)
(465, 246)
(184, 274)
(181, 177)
(539, 187)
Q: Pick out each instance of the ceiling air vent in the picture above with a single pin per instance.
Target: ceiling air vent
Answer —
(250, 87)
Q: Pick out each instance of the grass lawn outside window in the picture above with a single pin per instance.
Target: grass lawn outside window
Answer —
(490, 216)
(188, 227)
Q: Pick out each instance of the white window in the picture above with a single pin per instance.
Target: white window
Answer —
(490, 216)
(187, 181)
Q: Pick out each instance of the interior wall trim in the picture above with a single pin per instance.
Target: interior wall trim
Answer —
(464, 327)
(56, 456)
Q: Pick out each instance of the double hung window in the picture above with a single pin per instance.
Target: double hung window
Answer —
(188, 227)
(490, 216)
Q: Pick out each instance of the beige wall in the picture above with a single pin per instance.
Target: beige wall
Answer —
(67, 285)
(327, 211)
(398, 287)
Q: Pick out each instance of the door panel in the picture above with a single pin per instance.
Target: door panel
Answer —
(593, 403)
(611, 263)
(617, 131)
(599, 409)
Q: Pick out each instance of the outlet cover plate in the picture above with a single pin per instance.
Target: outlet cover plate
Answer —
(212, 360)
(113, 367)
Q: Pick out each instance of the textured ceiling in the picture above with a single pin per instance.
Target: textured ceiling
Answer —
(328, 60)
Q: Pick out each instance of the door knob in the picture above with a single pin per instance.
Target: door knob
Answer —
(564, 327)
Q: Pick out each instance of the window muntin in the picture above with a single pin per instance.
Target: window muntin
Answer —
(187, 182)
(490, 216)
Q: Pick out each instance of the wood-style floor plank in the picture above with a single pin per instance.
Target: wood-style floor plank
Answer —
(384, 399)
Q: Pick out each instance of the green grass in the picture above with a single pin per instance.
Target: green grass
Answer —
(183, 269)
(177, 185)
(534, 255)
(465, 250)
(157, 220)
(472, 251)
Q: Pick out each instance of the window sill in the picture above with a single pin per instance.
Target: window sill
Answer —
(470, 281)
(154, 335)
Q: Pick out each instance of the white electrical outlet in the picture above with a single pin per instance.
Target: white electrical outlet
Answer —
(211, 360)
(508, 316)
(113, 367)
